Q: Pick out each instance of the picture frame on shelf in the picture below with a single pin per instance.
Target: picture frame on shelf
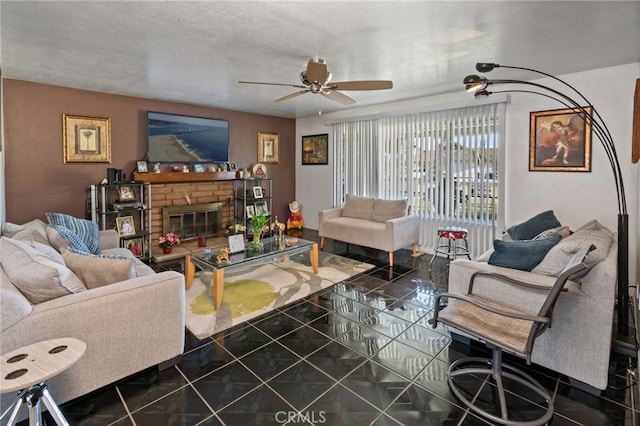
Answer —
(236, 243)
(560, 141)
(315, 149)
(250, 211)
(233, 167)
(261, 207)
(125, 226)
(198, 168)
(135, 246)
(126, 193)
(141, 167)
(259, 171)
(257, 192)
(86, 139)
(268, 147)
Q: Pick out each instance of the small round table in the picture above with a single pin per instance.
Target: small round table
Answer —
(27, 369)
(452, 242)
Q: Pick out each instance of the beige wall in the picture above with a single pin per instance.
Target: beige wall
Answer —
(38, 181)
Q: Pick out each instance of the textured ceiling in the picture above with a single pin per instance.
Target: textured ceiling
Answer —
(195, 52)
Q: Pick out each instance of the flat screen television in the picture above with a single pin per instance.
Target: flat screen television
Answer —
(174, 138)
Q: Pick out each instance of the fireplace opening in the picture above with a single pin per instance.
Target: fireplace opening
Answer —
(191, 221)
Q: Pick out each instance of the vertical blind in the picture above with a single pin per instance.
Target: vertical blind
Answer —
(446, 163)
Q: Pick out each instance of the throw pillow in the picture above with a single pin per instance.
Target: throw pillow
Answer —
(86, 230)
(99, 270)
(384, 210)
(521, 254)
(358, 207)
(563, 231)
(590, 233)
(37, 276)
(61, 237)
(10, 229)
(529, 229)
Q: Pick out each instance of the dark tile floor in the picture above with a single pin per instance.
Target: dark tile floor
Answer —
(363, 354)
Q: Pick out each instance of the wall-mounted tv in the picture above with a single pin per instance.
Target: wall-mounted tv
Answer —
(174, 138)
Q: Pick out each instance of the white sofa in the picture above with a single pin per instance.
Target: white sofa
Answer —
(128, 326)
(578, 343)
(371, 222)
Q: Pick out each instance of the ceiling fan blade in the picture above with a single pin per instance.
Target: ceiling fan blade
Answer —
(292, 95)
(361, 85)
(317, 71)
(274, 84)
(337, 97)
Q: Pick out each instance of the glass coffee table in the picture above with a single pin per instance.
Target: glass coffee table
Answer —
(273, 249)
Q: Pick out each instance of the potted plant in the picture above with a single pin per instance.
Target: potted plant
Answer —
(168, 241)
(259, 223)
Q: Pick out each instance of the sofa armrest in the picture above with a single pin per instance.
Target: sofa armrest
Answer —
(402, 232)
(127, 326)
(327, 214)
(108, 239)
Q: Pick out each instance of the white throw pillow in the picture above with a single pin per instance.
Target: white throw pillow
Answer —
(36, 275)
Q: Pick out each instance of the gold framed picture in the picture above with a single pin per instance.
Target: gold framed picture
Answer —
(125, 226)
(560, 141)
(268, 147)
(86, 139)
(126, 193)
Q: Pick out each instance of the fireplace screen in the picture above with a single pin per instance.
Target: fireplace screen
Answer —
(190, 221)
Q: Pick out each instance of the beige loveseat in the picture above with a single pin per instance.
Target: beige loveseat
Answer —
(128, 325)
(578, 343)
(371, 222)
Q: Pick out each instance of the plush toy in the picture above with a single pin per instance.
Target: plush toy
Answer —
(223, 256)
(295, 219)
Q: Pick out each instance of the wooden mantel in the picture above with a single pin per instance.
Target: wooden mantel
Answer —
(184, 177)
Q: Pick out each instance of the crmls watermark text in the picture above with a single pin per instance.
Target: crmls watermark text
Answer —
(294, 417)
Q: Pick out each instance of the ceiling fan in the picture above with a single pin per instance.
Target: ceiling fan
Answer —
(317, 79)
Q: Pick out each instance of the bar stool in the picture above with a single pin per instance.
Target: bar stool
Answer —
(27, 369)
(452, 242)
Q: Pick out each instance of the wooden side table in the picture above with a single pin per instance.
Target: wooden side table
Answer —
(27, 369)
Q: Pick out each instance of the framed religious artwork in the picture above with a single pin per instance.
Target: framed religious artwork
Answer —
(268, 147)
(126, 193)
(315, 149)
(560, 141)
(86, 139)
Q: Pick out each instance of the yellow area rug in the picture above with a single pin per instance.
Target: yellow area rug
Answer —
(256, 290)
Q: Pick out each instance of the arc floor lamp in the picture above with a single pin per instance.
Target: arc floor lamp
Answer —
(479, 84)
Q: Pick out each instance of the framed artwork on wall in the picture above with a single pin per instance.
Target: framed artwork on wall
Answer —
(315, 149)
(86, 139)
(268, 147)
(559, 141)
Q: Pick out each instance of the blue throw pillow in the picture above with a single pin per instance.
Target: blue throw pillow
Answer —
(86, 230)
(532, 227)
(524, 254)
(72, 239)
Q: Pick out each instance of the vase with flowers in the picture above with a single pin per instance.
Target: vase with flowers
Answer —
(259, 223)
(168, 241)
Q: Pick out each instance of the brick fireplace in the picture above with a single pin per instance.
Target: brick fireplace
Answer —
(195, 203)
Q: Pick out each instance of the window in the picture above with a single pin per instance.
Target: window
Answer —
(446, 163)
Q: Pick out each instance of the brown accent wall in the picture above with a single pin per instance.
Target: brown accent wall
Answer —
(38, 181)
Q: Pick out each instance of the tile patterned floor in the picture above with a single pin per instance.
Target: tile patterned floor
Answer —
(364, 354)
